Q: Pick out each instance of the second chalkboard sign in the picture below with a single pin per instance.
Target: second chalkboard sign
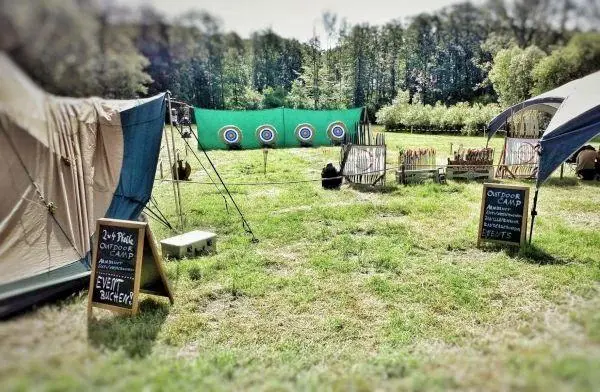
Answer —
(504, 210)
(124, 263)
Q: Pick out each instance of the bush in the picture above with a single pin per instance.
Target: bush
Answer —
(462, 117)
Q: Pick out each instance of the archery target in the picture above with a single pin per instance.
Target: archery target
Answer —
(305, 133)
(336, 131)
(266, 135)
(231, 135)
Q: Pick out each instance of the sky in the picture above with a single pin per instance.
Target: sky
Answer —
(295, 19)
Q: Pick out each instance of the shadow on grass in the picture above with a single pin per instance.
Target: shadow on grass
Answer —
(135, 335)
(563, 182)
(373, 189)
(528, 253)
(534, 255)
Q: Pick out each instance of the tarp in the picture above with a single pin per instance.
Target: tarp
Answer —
(576, 119)
(65, 163)
(575, 123)
(548, 102)
(286, 123)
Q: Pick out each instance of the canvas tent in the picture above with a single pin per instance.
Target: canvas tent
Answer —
(65, 163)
(575, 107)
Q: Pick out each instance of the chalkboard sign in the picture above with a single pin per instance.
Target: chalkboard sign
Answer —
(123, 249)
(504, 210)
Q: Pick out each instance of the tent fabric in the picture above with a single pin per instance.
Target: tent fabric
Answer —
(142, 131)
(65, 162)
(284, 120)
(575, 121)
(548, 104)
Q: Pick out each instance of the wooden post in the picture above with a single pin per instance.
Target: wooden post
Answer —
(265, 153)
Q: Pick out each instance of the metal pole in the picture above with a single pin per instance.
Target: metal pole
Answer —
(562, 170)
(533, 214)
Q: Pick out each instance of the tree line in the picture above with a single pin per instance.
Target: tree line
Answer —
(500, 51)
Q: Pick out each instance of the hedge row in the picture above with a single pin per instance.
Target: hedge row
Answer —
(462, 117)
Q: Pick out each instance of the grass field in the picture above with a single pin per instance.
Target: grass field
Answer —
(346, 290)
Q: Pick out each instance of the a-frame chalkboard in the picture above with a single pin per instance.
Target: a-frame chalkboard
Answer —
(504, 212)
(125, 262)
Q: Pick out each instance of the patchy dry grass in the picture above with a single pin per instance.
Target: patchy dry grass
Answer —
(345, 290)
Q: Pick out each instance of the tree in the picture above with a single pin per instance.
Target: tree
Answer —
(73, 48)
(579, 58)
(236, 72)
(274, 97)
(531, 22)
(511, 74)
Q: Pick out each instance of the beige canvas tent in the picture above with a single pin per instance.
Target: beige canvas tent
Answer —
(65, 163)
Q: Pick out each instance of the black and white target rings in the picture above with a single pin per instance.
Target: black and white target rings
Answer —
(305, 134)
(231, 135)
(266, 135)
(336, 131)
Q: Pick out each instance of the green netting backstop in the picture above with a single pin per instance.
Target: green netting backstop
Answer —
(281, 127)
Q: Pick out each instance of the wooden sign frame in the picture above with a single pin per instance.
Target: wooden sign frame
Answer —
(523, 238)
(149, 237)
(144, 234)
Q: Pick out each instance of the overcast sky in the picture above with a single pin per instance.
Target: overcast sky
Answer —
(295, 19)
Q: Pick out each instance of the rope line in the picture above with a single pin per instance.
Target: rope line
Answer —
(284, 182)
(155, 204)
(49, 205)
(158, 215)
(203, 167)
(150, 213)
(245, 224)
(332, 178)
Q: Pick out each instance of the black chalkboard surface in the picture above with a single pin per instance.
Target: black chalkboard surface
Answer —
(116, 265)
(125, 262)
(504, 210)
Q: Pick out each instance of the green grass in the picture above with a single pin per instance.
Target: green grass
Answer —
(346, 289)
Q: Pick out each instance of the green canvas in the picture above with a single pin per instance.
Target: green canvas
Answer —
(212, 126)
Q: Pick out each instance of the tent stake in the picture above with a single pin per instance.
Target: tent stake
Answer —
(533, 214)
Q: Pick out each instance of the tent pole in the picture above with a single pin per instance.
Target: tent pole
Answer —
(533, 214)
(562, 170)
(176, 182)
(170, 170)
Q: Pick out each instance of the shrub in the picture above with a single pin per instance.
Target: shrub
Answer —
(462, 117)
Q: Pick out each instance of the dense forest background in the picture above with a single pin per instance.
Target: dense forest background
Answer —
(474, 55)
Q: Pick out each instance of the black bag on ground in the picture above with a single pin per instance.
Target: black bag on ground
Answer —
(330, 177)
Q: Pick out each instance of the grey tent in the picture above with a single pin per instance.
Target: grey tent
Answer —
(575, 110)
